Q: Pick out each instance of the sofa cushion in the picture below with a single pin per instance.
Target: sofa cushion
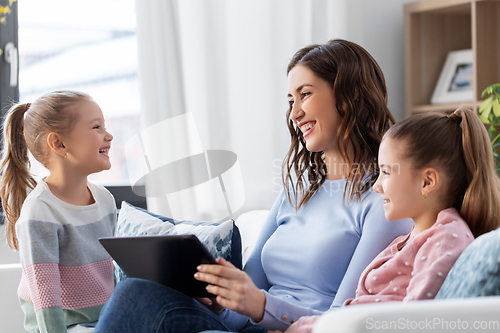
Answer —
(221, 239)
(250, 224)
(477, 271)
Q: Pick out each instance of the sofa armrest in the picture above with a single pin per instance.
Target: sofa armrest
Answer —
(446, 315)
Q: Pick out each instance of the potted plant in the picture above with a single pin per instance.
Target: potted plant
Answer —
(489, 113)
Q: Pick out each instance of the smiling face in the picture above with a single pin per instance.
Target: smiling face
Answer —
(398, 183)
(88, 143)
(313, 110)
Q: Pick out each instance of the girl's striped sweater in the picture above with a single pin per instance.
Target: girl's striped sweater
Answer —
(67, 275)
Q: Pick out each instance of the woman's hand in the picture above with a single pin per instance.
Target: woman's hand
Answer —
(211, 304)
(234, 289)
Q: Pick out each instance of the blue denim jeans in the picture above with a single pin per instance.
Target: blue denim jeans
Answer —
(138, 306)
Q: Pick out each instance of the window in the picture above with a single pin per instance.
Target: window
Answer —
(89, 46)
(8, 36)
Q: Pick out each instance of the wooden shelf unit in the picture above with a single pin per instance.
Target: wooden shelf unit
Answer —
(433, 28)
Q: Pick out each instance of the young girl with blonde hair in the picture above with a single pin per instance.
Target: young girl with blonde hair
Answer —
(55, 223)
(439, 170)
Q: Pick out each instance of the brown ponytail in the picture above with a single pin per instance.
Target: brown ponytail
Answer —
(481, 203)
(458, 144)
(16, 178)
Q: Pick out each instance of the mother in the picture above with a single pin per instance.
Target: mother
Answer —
(322, 231)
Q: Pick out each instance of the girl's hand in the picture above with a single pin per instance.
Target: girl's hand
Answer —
(290, 329)
(234, 289)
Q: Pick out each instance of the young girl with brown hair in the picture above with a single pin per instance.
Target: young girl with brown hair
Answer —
(324, 227)
(437, 169)
(55, 223)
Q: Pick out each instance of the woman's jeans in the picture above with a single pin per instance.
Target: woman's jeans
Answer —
(138, 306)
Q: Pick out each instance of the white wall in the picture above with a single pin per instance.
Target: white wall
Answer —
(378, 25)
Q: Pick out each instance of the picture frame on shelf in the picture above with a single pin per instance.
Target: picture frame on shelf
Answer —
(455, 80)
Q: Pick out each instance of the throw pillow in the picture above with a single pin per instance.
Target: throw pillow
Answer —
(221, 239)
(477, 271)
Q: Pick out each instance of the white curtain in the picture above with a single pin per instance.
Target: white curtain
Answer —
(219, 68)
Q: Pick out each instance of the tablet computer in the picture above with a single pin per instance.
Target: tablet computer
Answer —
(169, 259)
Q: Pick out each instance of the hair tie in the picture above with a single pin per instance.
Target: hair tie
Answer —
(27, 107)
(455, 117)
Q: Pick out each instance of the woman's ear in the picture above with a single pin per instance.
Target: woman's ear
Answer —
(56, 144)
(430, 181)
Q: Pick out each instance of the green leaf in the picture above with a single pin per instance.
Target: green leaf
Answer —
(496, 107)
(494, 88)
(486, 92)
(485, 107)
(484, 119)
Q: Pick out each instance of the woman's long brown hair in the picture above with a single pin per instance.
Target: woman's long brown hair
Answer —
(361, 101)
(460, 146)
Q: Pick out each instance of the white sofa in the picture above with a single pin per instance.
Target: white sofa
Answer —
(11, 315)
